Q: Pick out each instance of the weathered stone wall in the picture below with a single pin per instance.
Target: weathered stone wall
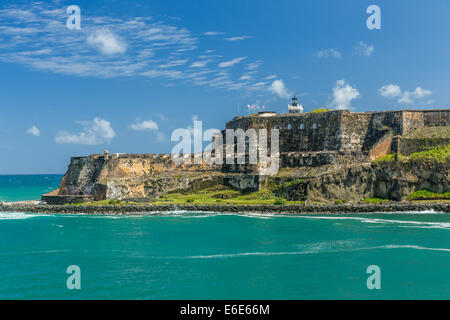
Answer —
(435, 118)
(383, 146)
(407, 146)
(354, 128)
(298, 132)
(316, 159)
(342, 131)
(61, 200)
(415, 119)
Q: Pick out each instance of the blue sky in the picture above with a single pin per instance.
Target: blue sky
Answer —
(137, 70)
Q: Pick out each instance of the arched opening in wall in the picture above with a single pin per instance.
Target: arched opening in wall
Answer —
(314, 126)
(302, 127)
(289, 127)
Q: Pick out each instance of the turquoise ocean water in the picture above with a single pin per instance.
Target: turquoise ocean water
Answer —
(27, 187)
(183, 255)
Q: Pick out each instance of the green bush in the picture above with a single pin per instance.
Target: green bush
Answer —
(374, 200)
(279, 201)
(340, 201)
(425, 195)
(439, 154)
(389, 158)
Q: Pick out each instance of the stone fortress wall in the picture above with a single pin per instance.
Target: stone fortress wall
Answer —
(336, 138)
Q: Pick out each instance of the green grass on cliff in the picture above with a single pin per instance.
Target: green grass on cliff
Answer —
(374, 200)
(428, 195)
(320, 110)
(438, 154)
(389, 158)
(215, 195)
(227, 197)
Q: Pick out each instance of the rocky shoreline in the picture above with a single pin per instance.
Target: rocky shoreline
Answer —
(442, 207)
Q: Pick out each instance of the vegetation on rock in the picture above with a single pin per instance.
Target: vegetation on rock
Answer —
(438, 154)
(320, 110)
(374, 200)
(428, 195)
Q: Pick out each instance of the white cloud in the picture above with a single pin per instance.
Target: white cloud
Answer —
(329, 53)
(34, 131)
(343, 94)
(239, 38)
(408, 97)
(199, 64)
(173, 63)
(254, 65)
(95, 132)
(34, 35)
(150, 125)
(390, 91)
(227, 64)
(145, 125)
(213, 33)
(363, 49)
(107, 42)
(245, 77)
(171, 74)
(279, 89)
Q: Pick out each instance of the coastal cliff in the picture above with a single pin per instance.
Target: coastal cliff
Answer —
(146, 177)
(131, 176)
(323, 157)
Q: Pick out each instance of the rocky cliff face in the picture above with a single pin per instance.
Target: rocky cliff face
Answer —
(150, 176)
(389, 180)
(132, 176)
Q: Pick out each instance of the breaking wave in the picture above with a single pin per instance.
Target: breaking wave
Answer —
(310, 251)
(18, 215)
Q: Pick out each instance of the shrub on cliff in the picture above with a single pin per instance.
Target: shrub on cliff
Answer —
(374, 200)
(279, 201)
(428, 195)
(389, 158)
(439, 154)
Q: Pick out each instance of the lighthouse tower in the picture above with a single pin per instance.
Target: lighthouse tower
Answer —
(295, 107)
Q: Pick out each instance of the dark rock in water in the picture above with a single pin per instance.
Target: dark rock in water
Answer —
(443, 207)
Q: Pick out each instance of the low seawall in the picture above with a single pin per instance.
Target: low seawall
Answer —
(443, 207)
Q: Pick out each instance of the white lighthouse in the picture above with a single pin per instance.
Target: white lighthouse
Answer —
(295, 107)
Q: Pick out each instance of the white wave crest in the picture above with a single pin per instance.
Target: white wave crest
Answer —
(312, 250)
(18, 215)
